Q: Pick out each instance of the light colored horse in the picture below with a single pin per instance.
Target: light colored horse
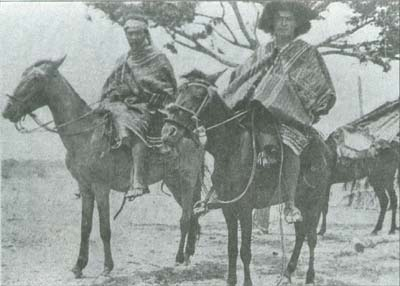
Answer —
(43, 85)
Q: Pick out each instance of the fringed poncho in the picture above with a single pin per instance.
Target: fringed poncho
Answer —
(293, 82)
(137, 76)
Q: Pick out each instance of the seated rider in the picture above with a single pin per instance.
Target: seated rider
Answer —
(289, 78)
(142, 82)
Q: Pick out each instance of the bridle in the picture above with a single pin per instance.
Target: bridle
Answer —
(44, 125)
(194, 114)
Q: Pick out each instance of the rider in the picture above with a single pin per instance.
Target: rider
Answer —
(289, 77)
(142, 82)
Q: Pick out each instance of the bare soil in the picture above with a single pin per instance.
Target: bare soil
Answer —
(40, 223)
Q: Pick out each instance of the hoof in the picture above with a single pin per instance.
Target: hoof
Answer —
(77, 272)
(179, 260)
(288, 275)
(248, 283)
(374, 233)
(231, 282)
(106, 272)
(392, 231)
(321, 233)
(187, 260)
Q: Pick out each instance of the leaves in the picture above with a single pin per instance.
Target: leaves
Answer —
(175, 17)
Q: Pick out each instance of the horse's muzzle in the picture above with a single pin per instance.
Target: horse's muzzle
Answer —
(11, 113)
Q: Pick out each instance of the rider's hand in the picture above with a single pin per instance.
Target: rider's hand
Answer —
(156, 100)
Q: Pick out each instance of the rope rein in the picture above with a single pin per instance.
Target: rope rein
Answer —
(56, 129)
(251, 177)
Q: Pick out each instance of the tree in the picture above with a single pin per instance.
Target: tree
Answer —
(212, 34)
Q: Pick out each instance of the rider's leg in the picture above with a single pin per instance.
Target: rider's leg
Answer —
(138, 183)
(290, 176)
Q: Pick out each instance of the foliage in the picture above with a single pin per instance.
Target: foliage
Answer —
(177, 17)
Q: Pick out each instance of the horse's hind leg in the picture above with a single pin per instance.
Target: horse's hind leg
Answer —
(246, 224)
(312, 243)
(86, 227)
(383, 201)
(232, 224)
(393, 206)
(300, 236)
(103, 206)
(325, 212)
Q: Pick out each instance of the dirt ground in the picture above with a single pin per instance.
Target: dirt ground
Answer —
(40, 224)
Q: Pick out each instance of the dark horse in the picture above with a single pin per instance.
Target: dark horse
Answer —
(380, 171)
(41, 85)
(232, 146)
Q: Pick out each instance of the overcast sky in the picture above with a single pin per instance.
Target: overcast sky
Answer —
(32, 31)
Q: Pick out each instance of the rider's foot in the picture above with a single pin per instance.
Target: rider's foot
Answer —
(202, 207)
(292, 214)
(266, 158)
(133, 193)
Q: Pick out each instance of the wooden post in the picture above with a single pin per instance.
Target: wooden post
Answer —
(360, 96)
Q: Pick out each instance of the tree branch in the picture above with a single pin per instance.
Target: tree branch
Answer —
(242, 26)
(256, 25)
(199, 47)
(362, 57)
(232, 42)
(347, 33)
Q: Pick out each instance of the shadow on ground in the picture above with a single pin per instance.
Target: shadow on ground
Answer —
(206, 270)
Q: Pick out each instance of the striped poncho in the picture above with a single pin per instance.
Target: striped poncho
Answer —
(137, 76)
(294, 82)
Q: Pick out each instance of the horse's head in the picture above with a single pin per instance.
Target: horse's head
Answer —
(190, 109)
(30, 94)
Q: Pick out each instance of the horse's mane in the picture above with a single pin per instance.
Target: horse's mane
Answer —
(48, 61)
(73, 90)
(195, 74)
(40, 62)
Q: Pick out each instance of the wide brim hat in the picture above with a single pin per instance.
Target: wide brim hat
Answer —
(301, 12)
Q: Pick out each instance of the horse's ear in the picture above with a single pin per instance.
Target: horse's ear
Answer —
(57, 63)
(212, 78)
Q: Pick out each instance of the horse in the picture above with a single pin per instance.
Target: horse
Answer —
(379, 170)
(240, 185)
(43, 85)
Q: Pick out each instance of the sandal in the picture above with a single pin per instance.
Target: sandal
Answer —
(132, 194)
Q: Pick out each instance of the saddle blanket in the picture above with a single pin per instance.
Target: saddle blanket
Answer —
(293, 138)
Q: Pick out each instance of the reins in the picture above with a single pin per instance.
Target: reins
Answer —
(253, 169)
(56, 129)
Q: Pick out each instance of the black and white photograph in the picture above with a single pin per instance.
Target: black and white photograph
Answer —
(200, 143)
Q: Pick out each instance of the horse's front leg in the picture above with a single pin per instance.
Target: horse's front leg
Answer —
(393, 206)
(232, 224)
(246, 223)
(103, 206)
(194, 230)
(86, 227)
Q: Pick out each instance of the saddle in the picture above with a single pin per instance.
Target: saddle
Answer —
(113, 134)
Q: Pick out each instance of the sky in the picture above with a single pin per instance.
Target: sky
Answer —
(30, 31)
